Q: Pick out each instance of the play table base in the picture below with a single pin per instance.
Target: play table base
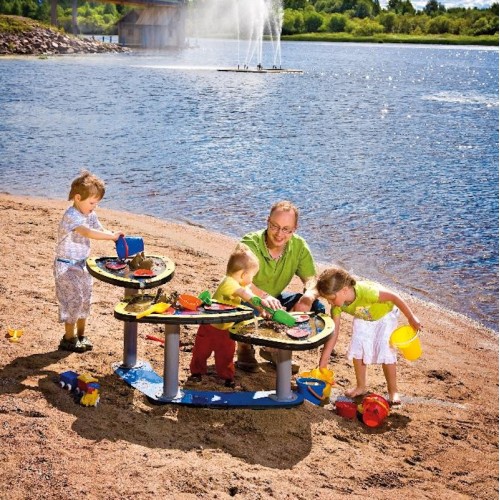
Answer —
(143, 378)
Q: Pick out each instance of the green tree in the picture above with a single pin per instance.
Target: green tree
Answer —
(364, 8)
(433, 7)
(337, 23)
(365, 27)
(439, 25)
(293, 22)
(401, 7)
(312, 21)
(16, 8)
(388, 21)
(484, 26)
(29, 8)
(43, 12)
(295, 4)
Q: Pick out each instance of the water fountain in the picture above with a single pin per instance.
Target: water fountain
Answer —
(256, 24)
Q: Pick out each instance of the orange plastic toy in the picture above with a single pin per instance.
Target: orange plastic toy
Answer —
(189, 302)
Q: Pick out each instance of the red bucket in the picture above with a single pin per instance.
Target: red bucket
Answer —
(346, 409)
(375, 410)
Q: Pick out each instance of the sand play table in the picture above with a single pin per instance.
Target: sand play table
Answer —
(165, 389)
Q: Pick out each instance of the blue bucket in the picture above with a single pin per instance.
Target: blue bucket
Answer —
(312, 389)
(128, 246)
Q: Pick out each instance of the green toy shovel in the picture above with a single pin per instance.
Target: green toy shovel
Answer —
(280, 316)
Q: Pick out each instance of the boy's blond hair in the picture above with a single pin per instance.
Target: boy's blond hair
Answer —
(242, 259)
(332, 280)
(87, 184)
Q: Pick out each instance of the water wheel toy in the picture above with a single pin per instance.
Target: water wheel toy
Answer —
(160, 308)
(278, 315)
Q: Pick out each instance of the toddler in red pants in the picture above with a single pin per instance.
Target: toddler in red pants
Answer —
(241, 269)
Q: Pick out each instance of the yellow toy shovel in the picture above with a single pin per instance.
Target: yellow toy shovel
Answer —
(160, 307)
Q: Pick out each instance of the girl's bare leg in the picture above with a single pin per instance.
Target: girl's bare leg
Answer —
(392, 386)
(360, 371)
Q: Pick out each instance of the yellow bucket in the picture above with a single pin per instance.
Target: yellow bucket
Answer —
(405, 338)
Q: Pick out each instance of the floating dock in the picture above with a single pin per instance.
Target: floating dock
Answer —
(260, 70)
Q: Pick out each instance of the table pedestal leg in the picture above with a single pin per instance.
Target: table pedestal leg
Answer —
(284, 376)
(129, 338)
(129, 344)
(171, 363)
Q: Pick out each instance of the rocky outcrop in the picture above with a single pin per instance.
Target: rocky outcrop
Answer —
(31, 38)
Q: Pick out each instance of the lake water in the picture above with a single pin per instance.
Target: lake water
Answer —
(390, 151)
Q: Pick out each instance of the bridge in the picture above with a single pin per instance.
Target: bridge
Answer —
(159, 24)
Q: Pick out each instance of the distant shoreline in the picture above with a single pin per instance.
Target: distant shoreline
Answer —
(483, 40)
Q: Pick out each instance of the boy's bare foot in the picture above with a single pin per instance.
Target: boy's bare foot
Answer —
(355, 392)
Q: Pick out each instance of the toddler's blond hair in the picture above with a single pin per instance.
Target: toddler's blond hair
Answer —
(87, 184)
(242, 259)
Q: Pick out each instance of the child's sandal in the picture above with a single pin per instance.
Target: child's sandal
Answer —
(71, 345)
(86, 343)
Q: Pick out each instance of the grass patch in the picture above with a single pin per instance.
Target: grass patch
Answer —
(18, 24)
(448, 39)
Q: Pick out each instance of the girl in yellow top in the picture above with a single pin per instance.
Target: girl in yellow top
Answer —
(375, 312)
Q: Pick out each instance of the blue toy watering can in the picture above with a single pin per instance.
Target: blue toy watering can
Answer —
(128, 246)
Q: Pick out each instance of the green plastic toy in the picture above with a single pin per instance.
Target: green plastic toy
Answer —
(206, 298)
(280, 316)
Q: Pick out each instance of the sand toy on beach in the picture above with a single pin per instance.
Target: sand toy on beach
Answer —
(128, 246)
(405, 338)
(160, 308)
(278, 315)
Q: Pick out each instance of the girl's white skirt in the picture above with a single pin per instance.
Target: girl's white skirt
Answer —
(370, 339)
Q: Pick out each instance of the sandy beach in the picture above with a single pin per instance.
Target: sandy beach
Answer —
(441, 443)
